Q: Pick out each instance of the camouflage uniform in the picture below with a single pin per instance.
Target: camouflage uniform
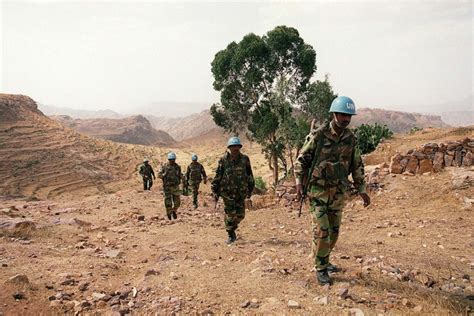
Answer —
(328, 184)
(147, 173)
(194, 175)
(171, 176)
(234, 183)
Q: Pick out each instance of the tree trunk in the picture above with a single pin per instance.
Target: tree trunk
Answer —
(291, 160)
(275, 169)
(270, 163)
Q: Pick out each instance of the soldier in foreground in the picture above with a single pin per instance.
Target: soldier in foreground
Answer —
(234, 183)
(171, 175)
(146, 171)
(327, 158)
(195, 173)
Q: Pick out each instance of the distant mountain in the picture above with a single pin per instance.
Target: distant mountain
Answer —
(458, 118)
(397, 121)
(171, 109)
(195, 125)
(81, 114)
(132, 130)
(181, 128)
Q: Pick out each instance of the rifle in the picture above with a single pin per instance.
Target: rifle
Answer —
(307, 175)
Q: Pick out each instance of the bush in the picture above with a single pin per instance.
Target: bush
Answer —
(415, 129)
(369, 136)
(260, 184)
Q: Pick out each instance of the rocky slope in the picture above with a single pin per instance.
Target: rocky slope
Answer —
(132, 130)
(200, 124)
(40, 158)
(408, 252)
(181, 128)
(398, 122)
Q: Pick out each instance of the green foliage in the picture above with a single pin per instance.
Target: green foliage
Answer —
(415, 129)
(259, 79)
(260, 184)
(369, 136)
(318, 100)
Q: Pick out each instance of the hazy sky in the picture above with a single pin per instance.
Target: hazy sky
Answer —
(124, 55)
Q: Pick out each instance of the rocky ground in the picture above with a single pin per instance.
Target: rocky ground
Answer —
(410, 251)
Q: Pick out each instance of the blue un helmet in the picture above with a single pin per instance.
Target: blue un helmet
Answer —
(234, 141)
(344, 105)
(194, 157)
(171, 156)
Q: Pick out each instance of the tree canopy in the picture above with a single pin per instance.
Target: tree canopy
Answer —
(260, 79)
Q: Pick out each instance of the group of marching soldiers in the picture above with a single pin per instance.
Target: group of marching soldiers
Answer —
(327, 158)
(233, 183)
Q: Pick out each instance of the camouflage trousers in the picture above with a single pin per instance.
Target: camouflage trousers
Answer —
(234, 209)
(195, 190)
(147, 183)
(326, 210)
(172, 198)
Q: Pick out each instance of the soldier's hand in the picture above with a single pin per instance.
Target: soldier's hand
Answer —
(366, 199)
(299, 191)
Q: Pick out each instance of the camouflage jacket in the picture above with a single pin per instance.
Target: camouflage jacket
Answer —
(170, 174)
(234, 178)
(195, 172)
(339, 157)
(146, 171)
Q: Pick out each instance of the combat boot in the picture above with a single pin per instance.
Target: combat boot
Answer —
(169, 216)
(333, 268)
(175, 216)
(232, 237)
(323, 277)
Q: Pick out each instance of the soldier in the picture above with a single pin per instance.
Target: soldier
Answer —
(331, 153)
(171, 175)
(146, 171)
(234, 183)
(195, 173)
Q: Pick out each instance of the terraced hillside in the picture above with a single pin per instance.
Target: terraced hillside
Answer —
(40, 158)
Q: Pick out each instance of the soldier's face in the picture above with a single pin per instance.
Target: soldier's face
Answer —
(234, 150)
(172, 161)
(342, 120)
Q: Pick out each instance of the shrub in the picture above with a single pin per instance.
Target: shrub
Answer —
(415, 129)
(369, 136)
(260, 184)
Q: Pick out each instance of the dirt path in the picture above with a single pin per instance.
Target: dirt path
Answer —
(409, 252)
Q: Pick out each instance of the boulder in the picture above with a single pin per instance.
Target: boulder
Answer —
(419, 154)
(395, 165)
(452, 146)
(467, 159)
(430, 148)
(448, 160)
(458, 158)
(424, 166)
(438, 162)
(412, 165)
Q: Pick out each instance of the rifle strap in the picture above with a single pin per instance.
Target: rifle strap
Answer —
(316, 156)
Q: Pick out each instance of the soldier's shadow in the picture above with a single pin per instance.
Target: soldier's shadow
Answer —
(271, 242)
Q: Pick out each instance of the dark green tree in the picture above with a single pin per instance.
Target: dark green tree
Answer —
(259, 80)
(318, 100)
